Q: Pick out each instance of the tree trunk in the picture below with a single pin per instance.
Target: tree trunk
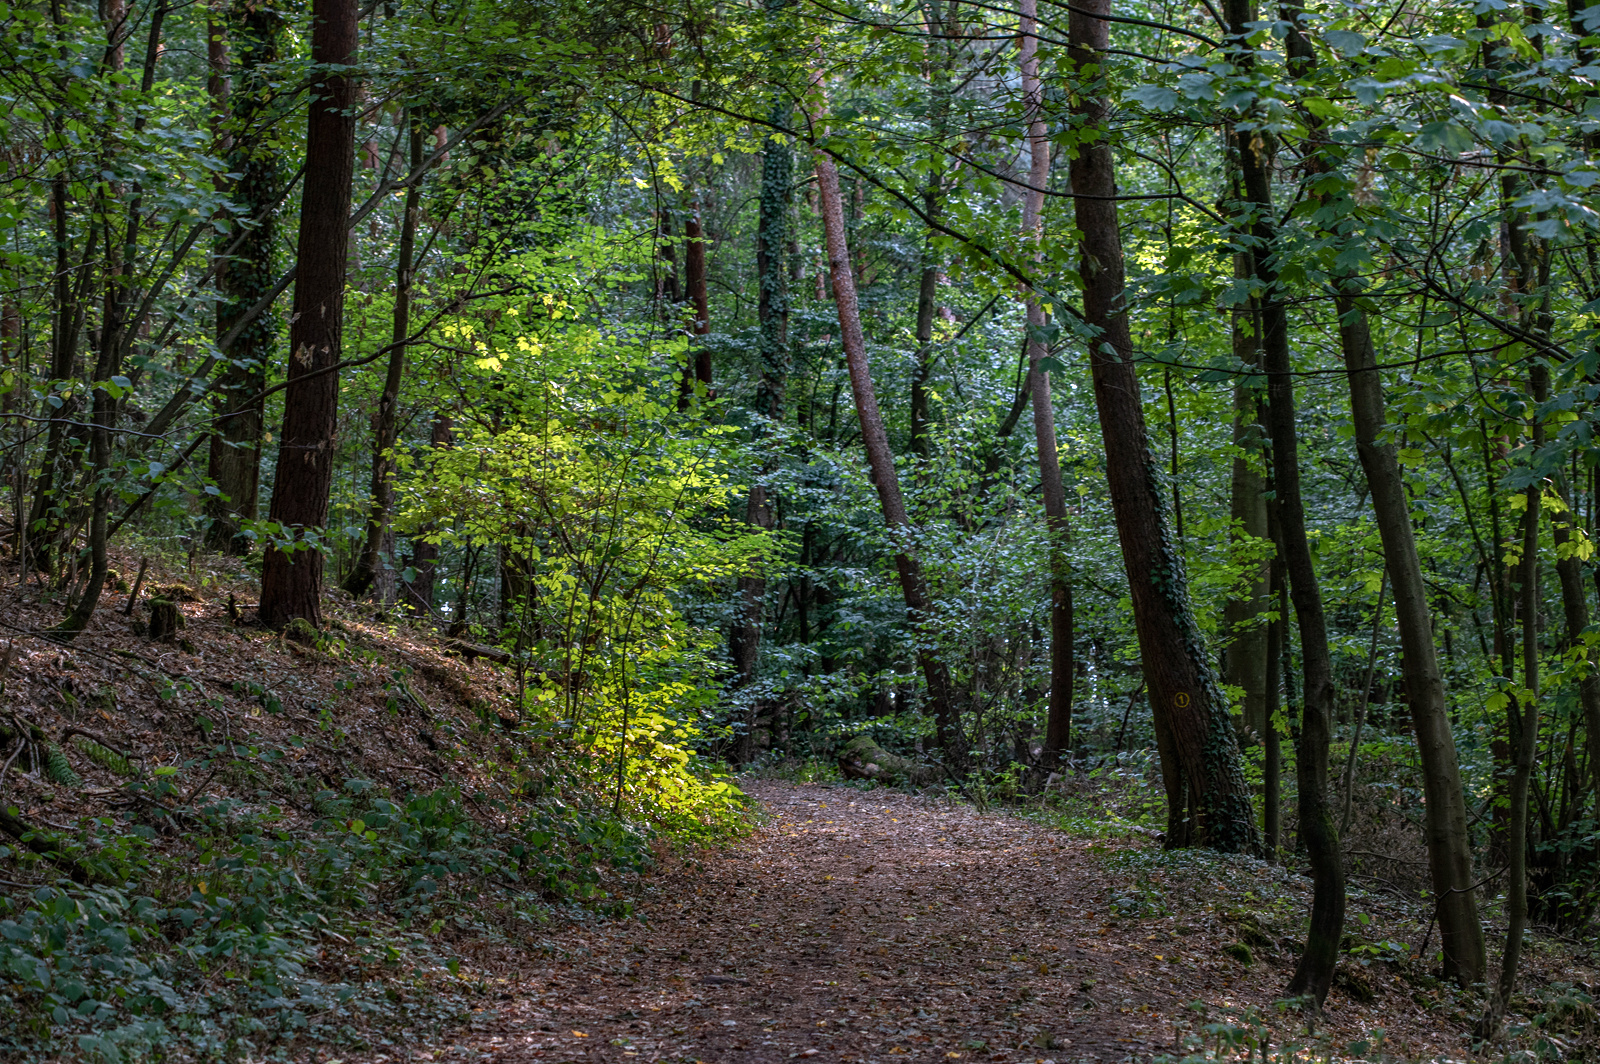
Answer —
(772, 310)
(1522, 716)
(108, 364)
(257, 33)
(1313, 976)
(386, 422)
(419, 590)
(1575, 609)
(919, 606)
(1058, 726)
(291, 581)
(1445, 811)
(694, 275)
(1245, 665)
(1184, 696)
(44, 516)
(1272, 757)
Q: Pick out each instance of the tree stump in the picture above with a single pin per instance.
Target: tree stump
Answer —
(166, 620)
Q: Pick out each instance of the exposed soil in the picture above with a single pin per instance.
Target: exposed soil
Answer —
(878, 926)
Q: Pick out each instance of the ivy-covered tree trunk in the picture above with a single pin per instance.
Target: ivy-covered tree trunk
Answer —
(1184, 695)
(291, 580)
(256, 35)
(386, 421)
(772, 314)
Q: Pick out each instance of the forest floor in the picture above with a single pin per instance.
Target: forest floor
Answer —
(873, 925)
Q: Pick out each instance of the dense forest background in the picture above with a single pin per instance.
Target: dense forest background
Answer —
(1187, 407)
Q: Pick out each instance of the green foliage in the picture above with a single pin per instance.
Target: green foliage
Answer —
(104, 756)
(58, 769)
(226, 956)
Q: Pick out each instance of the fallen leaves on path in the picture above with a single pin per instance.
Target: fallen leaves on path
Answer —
(877, 926)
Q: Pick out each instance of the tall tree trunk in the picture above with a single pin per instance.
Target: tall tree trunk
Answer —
(1444, 811)
(1445, 819)
(1575, 610)
(1058, 726)
(1313, 976)
(772, 309)
(1184, 695)
(386, 422)
(1522, 718)
(44, 523)
(1272, 758)
(108, 364)
(941, 22)
(291, 581)
(1245, 665)
(234, 458)
(919, 605)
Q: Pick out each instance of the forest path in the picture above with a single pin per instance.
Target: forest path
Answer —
(870, 926)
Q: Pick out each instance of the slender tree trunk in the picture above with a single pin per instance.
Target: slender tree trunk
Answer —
(1313, 977)
(1522, 717)
(1245, 665)
(1058, 727)
(108, 364)
(1272, 759)
(772, 240)
(291, 581)
(386, 422)
(419, 590)
(919, 605)
(694, 275)
(1445, 811)
(1575, 609)
(937, 73)
(1184, 695)
(234, 458)
(45, 514)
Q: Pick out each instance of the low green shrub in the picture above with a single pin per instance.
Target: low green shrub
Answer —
(262, 934)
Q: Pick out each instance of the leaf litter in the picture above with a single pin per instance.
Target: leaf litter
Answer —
(873, 925)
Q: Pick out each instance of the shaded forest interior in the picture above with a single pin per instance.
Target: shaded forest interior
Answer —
(450, 451)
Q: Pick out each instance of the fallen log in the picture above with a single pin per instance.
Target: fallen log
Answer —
(863, 759)
(477, 650)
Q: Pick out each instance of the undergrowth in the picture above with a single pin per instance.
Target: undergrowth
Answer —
(226, 928)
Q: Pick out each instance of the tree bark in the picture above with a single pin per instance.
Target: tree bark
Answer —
(108, 364)
(1313, 976)
(1445, 811)
(1184, 695)
(1522, 716)
(257, 32)
(919, 605)
(386, 422)
(291, 581)
(1058, 726)
(1245, 665)
(772, 310)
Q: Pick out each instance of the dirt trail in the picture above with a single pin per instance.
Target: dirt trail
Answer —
(875, 926)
